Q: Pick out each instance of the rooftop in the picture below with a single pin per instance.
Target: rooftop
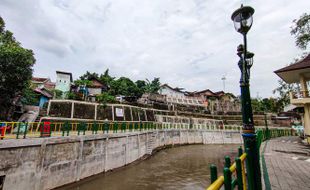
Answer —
(292, 73)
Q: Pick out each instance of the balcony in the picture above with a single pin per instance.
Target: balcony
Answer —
(300, 98)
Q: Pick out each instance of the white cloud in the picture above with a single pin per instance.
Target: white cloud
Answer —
(189, 44)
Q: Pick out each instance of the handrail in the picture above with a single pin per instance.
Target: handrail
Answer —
(217, 184)
(240, 180)
(12, 130)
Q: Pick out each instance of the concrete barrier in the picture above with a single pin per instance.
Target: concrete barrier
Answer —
(47, 163)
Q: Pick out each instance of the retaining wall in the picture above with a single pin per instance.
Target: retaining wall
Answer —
(39, 164)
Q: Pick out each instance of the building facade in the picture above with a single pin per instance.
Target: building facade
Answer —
(299, 73)
(63, 82)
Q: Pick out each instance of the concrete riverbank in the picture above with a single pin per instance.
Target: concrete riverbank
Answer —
(39, 164)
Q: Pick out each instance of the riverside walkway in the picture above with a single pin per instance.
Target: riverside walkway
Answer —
(287, 162)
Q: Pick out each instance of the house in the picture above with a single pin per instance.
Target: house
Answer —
(44, 95)
(180, 100)
(44, 88)
(96, 88)
(299, 72)
(39, 82)
(171, 92)
(219, 102)
(63, 82)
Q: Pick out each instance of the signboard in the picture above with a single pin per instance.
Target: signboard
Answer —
(119, 112)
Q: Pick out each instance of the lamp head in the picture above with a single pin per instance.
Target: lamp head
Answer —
(243, 19)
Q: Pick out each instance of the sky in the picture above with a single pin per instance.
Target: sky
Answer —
(187, 43)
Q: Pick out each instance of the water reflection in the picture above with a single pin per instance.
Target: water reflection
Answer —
(185, 167)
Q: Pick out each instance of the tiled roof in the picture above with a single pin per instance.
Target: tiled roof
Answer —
(38, 79)
(43, 92)
(96, 83)
(302, 64)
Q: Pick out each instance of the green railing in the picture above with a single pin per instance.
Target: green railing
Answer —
(17, 130)
(239, 180)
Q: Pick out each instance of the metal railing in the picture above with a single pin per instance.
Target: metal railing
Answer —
(299, 94)
(239, 179)
(17, 130)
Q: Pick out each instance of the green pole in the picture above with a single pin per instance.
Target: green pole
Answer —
(227, 178)
(249, 136)
(213, 171)
(227, 161)
(18, 129)
(26, 129)
(106, 127)
(240, 151)
(239, 173)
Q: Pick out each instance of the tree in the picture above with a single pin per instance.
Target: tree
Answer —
(83, 82)
(106, 78)
(105, 98)
(88, 76)
(301, 31)
(153, 86)
(15, 71)
(124, 86)
(30, 97)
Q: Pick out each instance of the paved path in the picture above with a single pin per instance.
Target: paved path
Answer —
(288, 163)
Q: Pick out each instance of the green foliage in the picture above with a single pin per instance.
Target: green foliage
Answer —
(283, 91)
(88, 76)
(30, 97)
(123, 86)
(57, 93)
(153, 86)
(106, 78)
(271, 105)
(15, 70)
(72, 96)
(105, 98)
(83, 82)
(301, 31)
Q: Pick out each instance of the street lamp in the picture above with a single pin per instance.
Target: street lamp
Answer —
(243, 20)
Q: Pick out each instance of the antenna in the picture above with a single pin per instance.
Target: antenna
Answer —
(223, 79)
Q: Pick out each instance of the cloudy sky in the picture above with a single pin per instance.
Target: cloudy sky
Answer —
(187, 43)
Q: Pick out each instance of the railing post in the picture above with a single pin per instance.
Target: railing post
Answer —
(227, 161)
(250, 170)
(26, 129)
(18, 129)
(227, 178)
(240, 151)
(239, 173)
(213, 171)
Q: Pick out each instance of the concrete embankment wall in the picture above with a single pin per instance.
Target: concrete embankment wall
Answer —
(39, 164)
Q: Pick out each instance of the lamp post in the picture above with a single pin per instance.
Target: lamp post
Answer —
(243, 19)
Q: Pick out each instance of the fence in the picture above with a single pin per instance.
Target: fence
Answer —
(239, 180)
(17, 130)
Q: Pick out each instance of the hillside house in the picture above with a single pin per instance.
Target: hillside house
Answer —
(63, 82)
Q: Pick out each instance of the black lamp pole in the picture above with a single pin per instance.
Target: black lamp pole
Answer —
(243, 19)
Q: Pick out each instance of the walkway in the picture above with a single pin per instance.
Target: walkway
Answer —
(288, 163)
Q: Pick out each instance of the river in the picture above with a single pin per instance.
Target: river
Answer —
(184, 167)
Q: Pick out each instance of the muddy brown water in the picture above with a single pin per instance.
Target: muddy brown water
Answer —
(184, 167)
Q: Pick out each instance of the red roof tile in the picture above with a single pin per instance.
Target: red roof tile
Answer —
(38, 79)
